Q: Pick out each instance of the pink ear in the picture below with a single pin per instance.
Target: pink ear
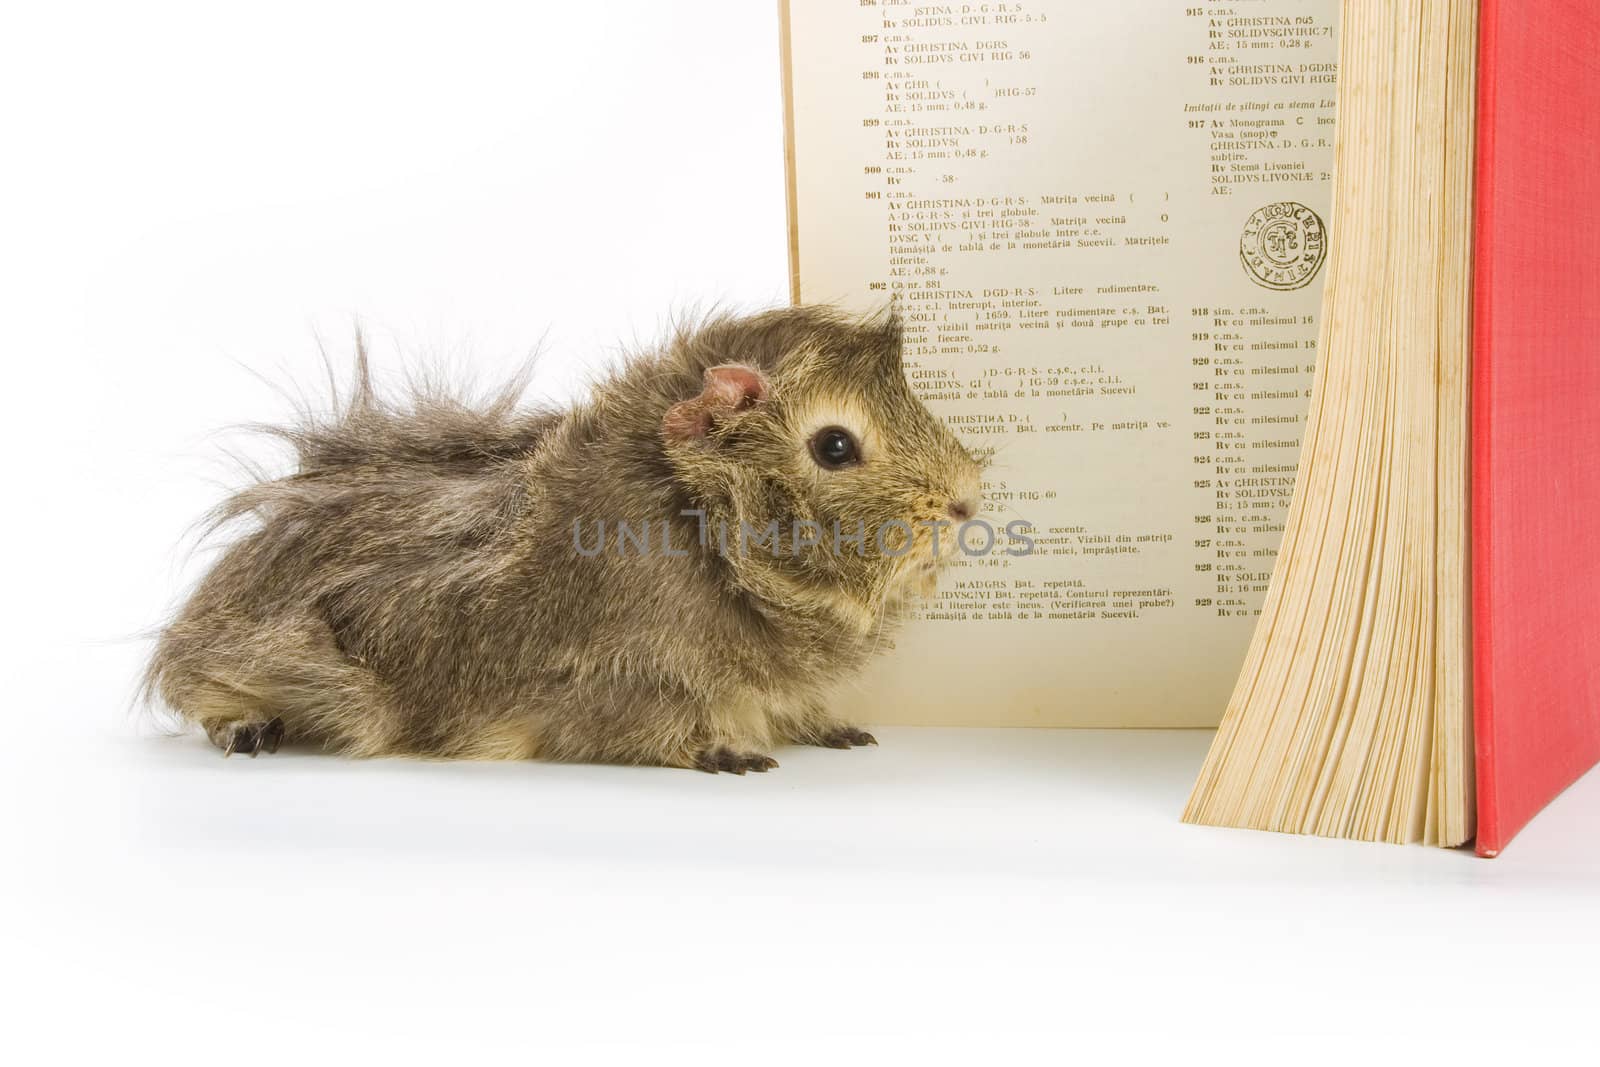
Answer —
(735, 385)
(729, 388)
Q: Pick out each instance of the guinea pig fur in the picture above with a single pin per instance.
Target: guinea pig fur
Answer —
(676, 571)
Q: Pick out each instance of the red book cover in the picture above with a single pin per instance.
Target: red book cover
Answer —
(1536, 409)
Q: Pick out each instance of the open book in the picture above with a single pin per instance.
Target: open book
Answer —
(1105, 229)
(1117, 239)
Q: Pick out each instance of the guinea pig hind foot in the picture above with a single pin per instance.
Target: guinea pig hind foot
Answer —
(249, 738)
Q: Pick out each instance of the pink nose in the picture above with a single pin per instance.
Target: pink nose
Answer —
(961, 510)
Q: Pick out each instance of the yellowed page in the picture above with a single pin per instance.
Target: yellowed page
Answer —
(1352, 715)
(1104, 226)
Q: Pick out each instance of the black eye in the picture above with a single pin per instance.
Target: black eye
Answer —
(834, 448)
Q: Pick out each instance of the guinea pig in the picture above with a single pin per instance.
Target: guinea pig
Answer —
(675, 572)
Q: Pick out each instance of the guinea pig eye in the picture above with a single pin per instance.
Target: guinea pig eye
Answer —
(834, 448)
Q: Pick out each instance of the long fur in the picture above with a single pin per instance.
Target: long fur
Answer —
(413, 588)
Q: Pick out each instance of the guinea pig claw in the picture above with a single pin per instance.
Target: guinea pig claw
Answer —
(271, 735)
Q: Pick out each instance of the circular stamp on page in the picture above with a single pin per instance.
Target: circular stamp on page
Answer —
(1283, 245)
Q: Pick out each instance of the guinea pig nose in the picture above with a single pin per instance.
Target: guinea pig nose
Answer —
(961, 510)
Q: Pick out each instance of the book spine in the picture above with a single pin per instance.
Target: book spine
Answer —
(1488, 836)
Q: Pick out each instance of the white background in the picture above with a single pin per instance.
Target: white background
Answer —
(191, 196)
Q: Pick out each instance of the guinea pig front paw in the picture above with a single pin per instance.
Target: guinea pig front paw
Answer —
(846, 737)
(713, 760)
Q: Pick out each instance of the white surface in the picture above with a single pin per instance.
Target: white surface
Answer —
(959, 890)
(189, 193)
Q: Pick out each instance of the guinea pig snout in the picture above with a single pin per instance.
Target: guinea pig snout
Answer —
(966, 497)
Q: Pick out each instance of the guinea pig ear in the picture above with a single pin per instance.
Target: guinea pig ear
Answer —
(729, 388)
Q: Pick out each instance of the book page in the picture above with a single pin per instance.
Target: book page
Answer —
(1104, 227)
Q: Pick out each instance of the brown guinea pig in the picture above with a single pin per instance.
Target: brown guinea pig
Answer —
(674, 572)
